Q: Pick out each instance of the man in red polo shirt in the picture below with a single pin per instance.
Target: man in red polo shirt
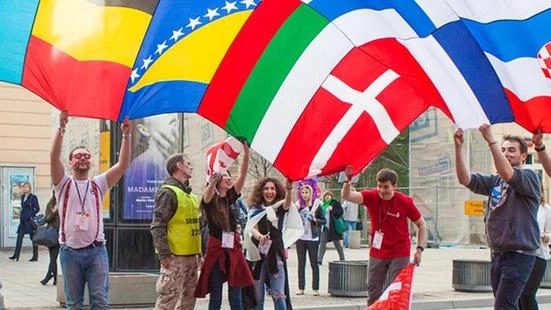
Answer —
(389, 211)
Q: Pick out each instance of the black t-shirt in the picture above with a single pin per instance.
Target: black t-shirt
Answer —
(221, 205)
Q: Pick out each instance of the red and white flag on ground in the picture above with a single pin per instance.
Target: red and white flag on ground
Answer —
(397, 295)
(221, 155)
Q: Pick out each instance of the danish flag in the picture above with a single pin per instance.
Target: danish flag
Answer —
(397, 295)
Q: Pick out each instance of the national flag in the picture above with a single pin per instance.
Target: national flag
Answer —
(180, 53)
(269, 88)
(512, 34)
(75, 54)
(397, 295)
(221, 155)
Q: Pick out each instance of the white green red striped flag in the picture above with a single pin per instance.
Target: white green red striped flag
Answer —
(304, 96)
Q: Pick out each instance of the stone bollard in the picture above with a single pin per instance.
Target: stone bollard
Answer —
(354, 239)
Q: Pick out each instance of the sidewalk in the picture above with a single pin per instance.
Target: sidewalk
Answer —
(432, 286)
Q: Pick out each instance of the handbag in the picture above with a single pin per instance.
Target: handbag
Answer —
(38, 220)
(46, 236)
(340, 225)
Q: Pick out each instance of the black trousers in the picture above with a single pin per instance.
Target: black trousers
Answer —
(527, 299)
(19, 244)
(312, 248)
(52, 267)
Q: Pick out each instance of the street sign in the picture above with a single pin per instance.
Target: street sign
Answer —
(474, 207)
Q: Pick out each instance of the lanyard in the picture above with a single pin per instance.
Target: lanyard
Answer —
(381, 218)
(82, 200)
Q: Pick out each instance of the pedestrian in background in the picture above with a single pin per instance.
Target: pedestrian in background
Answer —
(511, 213)
(52, 218)
(528, 297)
(312, 219)
(176, 236)
(350, 218)
(331, 210)
(29, 209)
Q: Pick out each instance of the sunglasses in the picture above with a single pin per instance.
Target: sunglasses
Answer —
(81, 156)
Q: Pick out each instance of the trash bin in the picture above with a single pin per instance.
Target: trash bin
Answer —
(348, 278)
(471, 275)
(354, 239)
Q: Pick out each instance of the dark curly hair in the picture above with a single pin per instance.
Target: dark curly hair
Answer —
(256, 198)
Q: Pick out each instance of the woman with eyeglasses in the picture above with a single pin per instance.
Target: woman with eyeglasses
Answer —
(29, 209)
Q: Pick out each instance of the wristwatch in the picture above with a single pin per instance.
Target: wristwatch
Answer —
(420, 248)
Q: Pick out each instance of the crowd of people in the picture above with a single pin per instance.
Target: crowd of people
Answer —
(204, 242)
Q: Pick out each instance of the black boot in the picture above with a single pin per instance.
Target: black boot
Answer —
(13, 257)
(46, 279)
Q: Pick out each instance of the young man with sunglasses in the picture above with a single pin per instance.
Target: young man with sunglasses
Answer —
(83, 256)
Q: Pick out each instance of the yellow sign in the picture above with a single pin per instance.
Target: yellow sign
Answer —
(105, 159)
(474, 207)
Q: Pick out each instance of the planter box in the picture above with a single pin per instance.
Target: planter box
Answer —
(125, 290)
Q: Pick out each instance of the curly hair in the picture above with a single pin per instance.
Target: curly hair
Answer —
(256, 198)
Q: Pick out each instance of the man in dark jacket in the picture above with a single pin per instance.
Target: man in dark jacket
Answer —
(511, 223)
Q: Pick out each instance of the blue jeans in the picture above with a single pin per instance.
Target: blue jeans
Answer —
(351, 226)
(216, 282)
(277, 286)
(509, 272)
(80, 267)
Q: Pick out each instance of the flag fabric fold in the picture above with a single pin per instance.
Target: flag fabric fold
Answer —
(304, 82)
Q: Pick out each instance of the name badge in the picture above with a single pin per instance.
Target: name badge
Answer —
(82, 222)
(378, 240)
(227, 240)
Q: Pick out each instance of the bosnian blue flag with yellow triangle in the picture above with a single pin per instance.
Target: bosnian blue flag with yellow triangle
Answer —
(180, 53)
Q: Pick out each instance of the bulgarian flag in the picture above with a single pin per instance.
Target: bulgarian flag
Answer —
(304, 96)
(397, 295)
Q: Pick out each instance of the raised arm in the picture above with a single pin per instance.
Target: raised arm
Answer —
(211, 187)
(56, 165)
(503, 167)
(463, 175)
(288, 195)
(117, 170)
(346, 191)
(543, 156)
(240, 182)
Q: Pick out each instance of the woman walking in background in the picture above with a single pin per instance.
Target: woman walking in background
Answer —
(52, 218)
(312, 218)
(331, 210)
(29, 209)
(527, 299)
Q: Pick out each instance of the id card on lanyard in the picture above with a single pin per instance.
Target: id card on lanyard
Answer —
(378, 236)
(83, 217)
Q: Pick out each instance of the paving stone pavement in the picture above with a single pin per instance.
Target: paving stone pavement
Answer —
(432, 285)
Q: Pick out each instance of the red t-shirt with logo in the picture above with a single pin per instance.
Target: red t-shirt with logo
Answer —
(392, 216)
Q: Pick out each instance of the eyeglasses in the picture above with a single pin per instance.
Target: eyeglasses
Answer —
(81, 156)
